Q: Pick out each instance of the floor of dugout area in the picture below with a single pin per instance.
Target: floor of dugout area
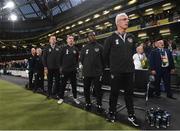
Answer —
(23, 109)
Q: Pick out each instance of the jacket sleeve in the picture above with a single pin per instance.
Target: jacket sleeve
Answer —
(34, 64)
(152, 60)
(82, 55)
(77, 55)
(171, 61)
(61, 56)
(135, 43)
(102, 59)
(44, 57)
(106, 51)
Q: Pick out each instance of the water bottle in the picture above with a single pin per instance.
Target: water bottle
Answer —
(168, 115)
(158, 120)
(162, 86)
(158, 109)
(157, 117)
(151, 117)
(164, 120)
(147, 115)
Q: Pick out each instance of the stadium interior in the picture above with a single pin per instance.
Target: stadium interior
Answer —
(26, 24)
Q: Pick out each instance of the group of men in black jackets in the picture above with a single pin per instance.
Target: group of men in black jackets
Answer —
(117, 52)
(36, 70)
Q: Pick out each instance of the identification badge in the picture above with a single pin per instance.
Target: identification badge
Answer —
(117, 41)
(50, 50)
(96, 49)
(112, 76)
(74, 51)
(57, 49)
(67, 51)
(87, 51)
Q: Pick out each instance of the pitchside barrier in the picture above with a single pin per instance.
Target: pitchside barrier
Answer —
(175, 81)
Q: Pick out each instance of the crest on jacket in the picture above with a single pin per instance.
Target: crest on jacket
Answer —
(96, 49)
(87, 51)
(67, 51)
(74, 51)
(57, 49)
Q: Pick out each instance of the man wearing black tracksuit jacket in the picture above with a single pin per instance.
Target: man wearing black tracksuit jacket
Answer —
(51, 55)
(119, 49)
(39, 71)
(31, 63)
(92, 60)
(68, 65)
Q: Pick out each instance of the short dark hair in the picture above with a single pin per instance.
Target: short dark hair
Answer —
(91, 33)
(51, 36)
(159, 38)
(70, 36)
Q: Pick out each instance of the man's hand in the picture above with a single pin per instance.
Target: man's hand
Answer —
(60, 70)
(45, 70)
(153, 72)
(172, 71)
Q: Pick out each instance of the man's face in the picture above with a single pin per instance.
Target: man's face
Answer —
(91, 37)
(52, 40)
(141, 50)
(123, 22)
(70, 40)
(33, 51)
(170, 42)
(160, 43)
(38, 51)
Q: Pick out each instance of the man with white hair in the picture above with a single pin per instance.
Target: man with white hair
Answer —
(31, 62)
(162, 66)
(39, 71)
(140, 60)
(118, 52)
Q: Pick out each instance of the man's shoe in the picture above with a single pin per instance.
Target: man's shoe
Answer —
(60, 101)
(133, 120)
(88, 106)
(99, 108)
(48, 97)
(76, 101)
(171, 97)
(111, 117)
(157, 95)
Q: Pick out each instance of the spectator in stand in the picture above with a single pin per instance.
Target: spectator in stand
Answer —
(147, 48)
(171, 45)
(161, 66)
(140, 60)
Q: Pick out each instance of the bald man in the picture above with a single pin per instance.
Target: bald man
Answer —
(139, 57)
(31, 62)
(162, 66)
(39, 71)
(92, 60)
(51, 64)
(118, 52)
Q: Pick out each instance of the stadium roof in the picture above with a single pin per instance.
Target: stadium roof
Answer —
(36, 9)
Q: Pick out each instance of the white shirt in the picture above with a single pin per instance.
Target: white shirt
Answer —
(165, 58)
(53, 46)
(137, 61)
